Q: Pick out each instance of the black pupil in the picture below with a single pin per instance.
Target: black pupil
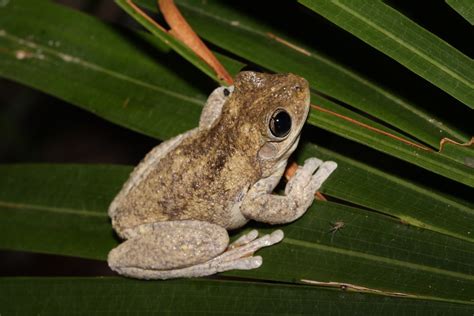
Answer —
(226, 92)
(280, 124)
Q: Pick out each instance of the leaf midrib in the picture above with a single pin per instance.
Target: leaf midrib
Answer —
(91, 66)
(52, 209)
(402, 43)
(401, 182)
(404, 264)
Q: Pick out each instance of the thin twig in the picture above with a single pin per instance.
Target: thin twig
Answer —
(445, 141)
(181, 30)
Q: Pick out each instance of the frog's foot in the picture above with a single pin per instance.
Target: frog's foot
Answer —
(262, 206)
(167, 250)
(239, 255)
(248, 244)
(244, 239)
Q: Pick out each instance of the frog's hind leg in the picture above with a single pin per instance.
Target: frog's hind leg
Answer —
(174, 249)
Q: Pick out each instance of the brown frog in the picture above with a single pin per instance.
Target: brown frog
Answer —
(175, 209)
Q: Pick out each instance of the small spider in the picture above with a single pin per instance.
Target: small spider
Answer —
(335, 227)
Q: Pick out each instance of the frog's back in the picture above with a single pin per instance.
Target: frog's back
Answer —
(202, 178)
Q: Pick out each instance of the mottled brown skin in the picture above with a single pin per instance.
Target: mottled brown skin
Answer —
(210, 171)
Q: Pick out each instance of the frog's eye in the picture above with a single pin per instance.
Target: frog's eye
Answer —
(226, 92)
(280, 123)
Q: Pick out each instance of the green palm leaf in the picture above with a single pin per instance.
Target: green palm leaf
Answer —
(406, 245)
(384, 28)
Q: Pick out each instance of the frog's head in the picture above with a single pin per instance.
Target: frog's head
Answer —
(271, 110)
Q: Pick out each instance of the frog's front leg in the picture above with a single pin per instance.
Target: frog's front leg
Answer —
(213, 108)
(174, 249)
(260, 205)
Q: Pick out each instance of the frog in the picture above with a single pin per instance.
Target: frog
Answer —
(176, 209)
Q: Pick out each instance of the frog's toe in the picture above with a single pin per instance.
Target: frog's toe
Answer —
(321, 175)
(250, 248)
(244, 239)
(302, 176)
(311, 164)
(276, 236)
(247, 263)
